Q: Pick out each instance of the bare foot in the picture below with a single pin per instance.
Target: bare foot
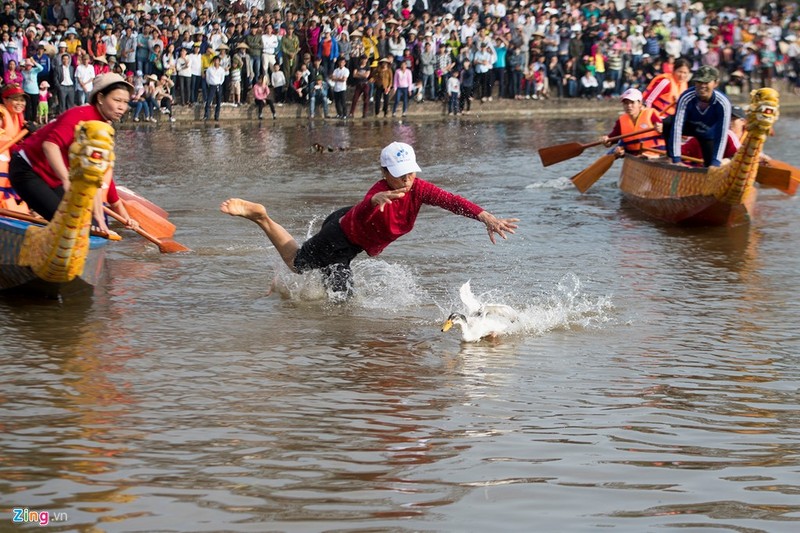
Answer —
(242, 208)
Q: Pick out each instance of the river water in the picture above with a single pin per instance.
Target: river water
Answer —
(650, 381)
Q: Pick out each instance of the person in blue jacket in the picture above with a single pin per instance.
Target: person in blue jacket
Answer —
(701, 112)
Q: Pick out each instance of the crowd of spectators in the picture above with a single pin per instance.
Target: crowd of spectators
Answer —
(384, 53)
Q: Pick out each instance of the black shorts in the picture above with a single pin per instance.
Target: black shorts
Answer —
(328, 247)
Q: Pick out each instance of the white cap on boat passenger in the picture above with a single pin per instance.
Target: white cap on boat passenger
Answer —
(632, 94)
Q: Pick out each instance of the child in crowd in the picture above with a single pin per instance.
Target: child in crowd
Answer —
(453, 91)
(278, 79)
(236, 81)
(43, 109)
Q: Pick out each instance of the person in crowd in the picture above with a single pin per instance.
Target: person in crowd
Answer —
(261, 97)
(163, 95)
(635, 117)
(382, 80)
(12, 74)
(702, 112)
(30, 84)
(43, 107)
(401, 85)
(84, 74)
(466, 78)
(64, 80)
(387, 212)
(214, 77)
(318, 95)
(184, 77)
(339, 77)
(39, 169)
(361, 87)
(278, 81)
(454, 94)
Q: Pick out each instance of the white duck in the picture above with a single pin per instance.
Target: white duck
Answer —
(482, 320)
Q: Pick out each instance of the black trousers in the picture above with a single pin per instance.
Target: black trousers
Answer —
(33, 189)
(331, 252)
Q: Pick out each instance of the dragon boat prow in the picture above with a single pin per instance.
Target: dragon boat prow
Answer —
(62, 256)
(713, 196)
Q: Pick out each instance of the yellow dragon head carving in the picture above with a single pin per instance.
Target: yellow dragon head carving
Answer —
(92, 153)
(763, 111)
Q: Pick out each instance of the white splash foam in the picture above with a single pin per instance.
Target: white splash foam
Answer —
(561, 184)
(568, 305)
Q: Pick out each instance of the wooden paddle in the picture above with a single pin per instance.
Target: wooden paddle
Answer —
(588, 176)
(40, 221)
(132, 196)
(551, 155)
(149, 221)
(165, 246)
(772, 174)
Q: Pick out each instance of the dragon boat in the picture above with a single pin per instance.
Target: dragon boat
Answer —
(714, 196)
(62, 257)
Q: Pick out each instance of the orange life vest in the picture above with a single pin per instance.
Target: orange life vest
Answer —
(662, 92)
(637, 143)
(11, 127)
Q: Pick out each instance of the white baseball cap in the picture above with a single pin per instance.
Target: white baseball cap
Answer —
(632, 94)
(399, 159)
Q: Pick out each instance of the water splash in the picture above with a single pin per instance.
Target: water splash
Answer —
(378, 285)
(560, 184)
(565, 307)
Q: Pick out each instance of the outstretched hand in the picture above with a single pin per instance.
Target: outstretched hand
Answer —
(384, 198)
(501, 226)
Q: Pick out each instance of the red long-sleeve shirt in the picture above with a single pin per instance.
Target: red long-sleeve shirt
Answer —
(366, 226)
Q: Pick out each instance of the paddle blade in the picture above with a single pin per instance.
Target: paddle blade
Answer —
(168, 246)
(132, 196)
(588, 176)
(776, 178)
(550, 155)
(772, 174)
(149, 221)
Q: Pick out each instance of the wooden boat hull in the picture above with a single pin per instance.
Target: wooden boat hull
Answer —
(22, 278)
(682, 195)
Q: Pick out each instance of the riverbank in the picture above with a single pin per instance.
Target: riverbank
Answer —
(566, 107)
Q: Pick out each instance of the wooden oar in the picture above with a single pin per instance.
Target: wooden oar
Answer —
(132, 196)
(772, 174)
(551, 155)
(588, 176)
(165, 246)
(149, 221)
(40, 221)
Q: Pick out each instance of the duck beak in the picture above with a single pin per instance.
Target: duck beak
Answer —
(447, 325)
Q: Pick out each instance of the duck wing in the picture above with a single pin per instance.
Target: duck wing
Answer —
(469, 300)
(499, 311)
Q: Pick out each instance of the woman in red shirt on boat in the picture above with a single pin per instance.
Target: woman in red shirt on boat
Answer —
(387, 212)
(635, 118)
(39, 169)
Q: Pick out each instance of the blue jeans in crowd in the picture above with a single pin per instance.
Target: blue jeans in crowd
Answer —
(402, 92)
